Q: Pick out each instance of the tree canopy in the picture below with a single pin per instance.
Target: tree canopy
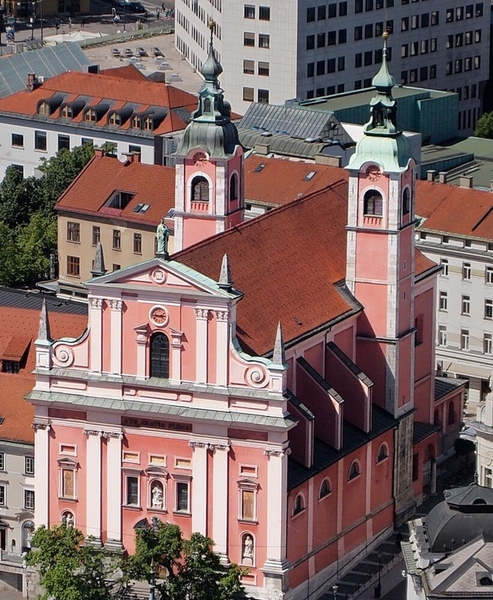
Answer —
(484, 126)
(187, 569)
(71, 569)
(28, 227)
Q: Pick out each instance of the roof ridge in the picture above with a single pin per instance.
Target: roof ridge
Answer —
(261, 218)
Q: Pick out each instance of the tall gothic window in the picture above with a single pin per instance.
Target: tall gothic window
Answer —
(406, 202)
(159, 356)
(200, 189)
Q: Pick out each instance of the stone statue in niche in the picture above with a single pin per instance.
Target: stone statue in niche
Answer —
(157, 496)
(162, 235)
(247, 550)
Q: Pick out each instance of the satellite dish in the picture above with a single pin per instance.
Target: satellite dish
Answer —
(123, 158)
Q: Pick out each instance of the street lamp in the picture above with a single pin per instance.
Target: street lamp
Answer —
(334, 591)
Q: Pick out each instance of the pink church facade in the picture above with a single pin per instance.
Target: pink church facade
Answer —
(288, 414)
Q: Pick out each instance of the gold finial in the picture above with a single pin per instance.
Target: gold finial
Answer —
(212, 24)
(385, 35)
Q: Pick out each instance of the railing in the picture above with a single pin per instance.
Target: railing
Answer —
(168, 27)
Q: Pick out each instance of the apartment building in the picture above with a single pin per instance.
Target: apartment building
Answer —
(274, 51)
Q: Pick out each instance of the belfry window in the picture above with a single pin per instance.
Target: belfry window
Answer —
(207, 105)
(233, 187)
(159, 356)
(406, 202)
(200, 189)
(373, 203)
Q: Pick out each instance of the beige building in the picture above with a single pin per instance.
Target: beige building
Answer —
(117, 204)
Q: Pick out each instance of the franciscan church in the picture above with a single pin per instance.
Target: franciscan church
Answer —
(271, 383)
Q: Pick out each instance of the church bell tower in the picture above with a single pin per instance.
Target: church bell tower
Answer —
(380, 266)
(209, 165)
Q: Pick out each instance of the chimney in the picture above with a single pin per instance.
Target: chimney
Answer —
(262, 148)
(442, 177)
(98, 152)
(32, 81)
(431, 174)
(466, 181)
(491, 185)
(132, 157)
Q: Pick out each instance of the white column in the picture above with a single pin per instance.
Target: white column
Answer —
(220, 499)
(41, 473)
(199, 487)
(95, 316)
(222, 349)
(114, 489)
(277, 477)
(116, 337)
(94, 500)
(201, 343)
(176, 346)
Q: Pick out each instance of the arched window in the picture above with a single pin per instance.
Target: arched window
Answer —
(147, 126)
(451, 413)
(354, 470)
(135, 123)
(90, 115)
(298, 504)
(233, 187)
(114, 119)
(383, 452)
(159, 356)
(44, 109)
(68, 518)
(207, 105)
(373, 203)
(406, 202)
(200, 189)
(325, 489)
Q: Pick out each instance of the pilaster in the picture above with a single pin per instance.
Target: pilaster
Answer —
(41, 472)
(222, 347)
(96, 324)
(114, 489)
(220, 498)
(199, 487)
(93, 484)
(116, 337)
(201, 315)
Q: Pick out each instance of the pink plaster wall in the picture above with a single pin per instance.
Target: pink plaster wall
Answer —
(315, 356)
(374, 298)
(372, 255)
(345, 341)
(405, 350)
(370, 357)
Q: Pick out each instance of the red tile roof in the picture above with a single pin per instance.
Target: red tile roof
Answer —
(143, 94)
(17, 325)
(287, 263)
(103, 176)
(127, 72)
(283, 180)
(453, 209)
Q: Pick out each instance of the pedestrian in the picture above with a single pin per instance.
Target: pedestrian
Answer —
(163, 6)
(70, 22)
(83, 22)
(157, 13)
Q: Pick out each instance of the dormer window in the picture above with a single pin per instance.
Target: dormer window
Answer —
(90, 115)
(200, 189)
(67, 112)
(114, 119)
(44, 109)
(135, 122)
(373, 204)
(147, 124)
(120, 200)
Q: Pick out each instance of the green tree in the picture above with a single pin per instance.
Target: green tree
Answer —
(484, 126)
(35, 242)
(59, 172)
(18, 198)
(190, 569)
(69, 568)
(8, 256)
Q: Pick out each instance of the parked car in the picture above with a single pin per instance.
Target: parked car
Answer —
(128, 52)
(130, 7)
(157, 52)
(116, 52)
(141, 51)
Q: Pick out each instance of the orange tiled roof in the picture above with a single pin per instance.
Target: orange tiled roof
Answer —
(16, 326)
(127, 72)
(453, 209)
(144, 94)
(290, 179)
(287, 263)
(152, 184)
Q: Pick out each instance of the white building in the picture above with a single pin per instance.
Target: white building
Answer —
(457, 231)
(68, 110)
(273, 51)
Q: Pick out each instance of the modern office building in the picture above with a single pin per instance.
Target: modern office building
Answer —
(274, 51)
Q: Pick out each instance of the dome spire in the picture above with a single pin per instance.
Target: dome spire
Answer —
(383, 105)
(211, 68)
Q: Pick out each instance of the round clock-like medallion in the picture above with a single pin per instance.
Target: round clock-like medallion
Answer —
(199, 158)
(159, 316)
(373, 173)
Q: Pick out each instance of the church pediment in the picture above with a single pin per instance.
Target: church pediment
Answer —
(160, 274)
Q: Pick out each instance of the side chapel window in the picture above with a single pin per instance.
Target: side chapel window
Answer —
(373, 203)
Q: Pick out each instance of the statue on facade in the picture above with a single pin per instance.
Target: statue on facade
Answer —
(157, 496)
(162, 236)
(248, 550)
